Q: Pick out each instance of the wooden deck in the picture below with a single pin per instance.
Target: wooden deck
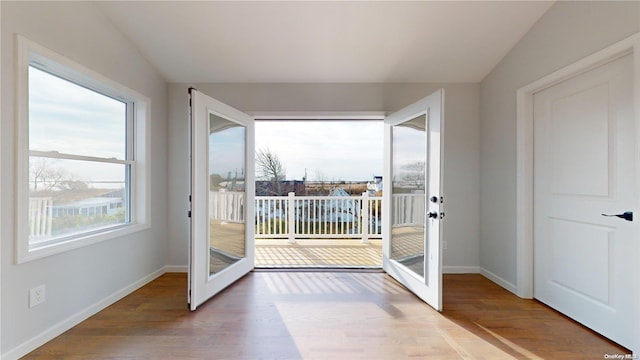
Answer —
(316, 253)
(336, 253)
(327, 315)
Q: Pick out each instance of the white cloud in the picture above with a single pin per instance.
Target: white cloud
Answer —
(68, 118)
(71, 119)
(339, 150)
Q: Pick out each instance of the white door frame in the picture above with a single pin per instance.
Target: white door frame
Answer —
(524, 165)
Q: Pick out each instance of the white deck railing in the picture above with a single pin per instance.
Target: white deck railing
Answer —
(335, 217)
(226, 206)
(40, 217)
(288, 217)
(408, 209)
(303, 217)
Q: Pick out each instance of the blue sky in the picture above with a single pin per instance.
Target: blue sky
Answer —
(74, 120)
(64, 117)
(328, 150)
(70, 119)
(228, 149)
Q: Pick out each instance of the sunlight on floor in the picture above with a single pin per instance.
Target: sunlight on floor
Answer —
(378, 334)
(376, 330)
(526, 353)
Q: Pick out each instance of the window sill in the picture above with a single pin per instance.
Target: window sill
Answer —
(24, 254)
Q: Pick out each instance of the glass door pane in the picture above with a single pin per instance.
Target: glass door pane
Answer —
(226, 193)
(408, 188)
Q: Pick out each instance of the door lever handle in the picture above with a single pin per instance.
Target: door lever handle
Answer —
(627, 215)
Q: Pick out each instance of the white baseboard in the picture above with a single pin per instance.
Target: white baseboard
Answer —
(59, 328)
(176, 268)
(498, 280)
(460, 269)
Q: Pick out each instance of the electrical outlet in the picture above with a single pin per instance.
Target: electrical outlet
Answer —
(37, 295)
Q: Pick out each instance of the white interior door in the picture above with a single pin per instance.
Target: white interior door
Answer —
(585, 166)
(413, 197)
(222, 192)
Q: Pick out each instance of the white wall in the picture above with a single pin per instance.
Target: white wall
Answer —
(461, 146)
(568, 32)
(1, 174)
(79, 279)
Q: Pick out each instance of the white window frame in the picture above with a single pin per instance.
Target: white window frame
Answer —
(139, 182)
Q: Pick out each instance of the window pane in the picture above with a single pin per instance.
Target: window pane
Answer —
(68, 197)
(71, 119)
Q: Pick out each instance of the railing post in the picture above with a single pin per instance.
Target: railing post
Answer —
(364, 217)
(291, 217)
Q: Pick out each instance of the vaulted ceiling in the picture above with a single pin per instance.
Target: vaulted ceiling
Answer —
(322, 41)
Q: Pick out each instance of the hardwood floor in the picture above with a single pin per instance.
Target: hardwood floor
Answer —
(327, 315)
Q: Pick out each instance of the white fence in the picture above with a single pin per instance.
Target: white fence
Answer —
(303, 217)
(408, 209)
(40, 217)
(287, 217)
(299, 217)
(226, 206)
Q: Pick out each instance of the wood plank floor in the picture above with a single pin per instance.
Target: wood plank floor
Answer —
(327, 315)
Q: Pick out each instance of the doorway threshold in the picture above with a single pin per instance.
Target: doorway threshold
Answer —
(369, 269)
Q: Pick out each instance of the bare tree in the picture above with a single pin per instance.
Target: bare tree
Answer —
(44, 176)
(37, 168)
(270, 168)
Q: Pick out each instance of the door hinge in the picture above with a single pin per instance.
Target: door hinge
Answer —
(189, 213)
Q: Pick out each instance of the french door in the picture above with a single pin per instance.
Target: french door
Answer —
(413, 197)
(222, 195)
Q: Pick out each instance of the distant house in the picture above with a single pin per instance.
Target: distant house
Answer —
(105, 204)
(375, 186)
(343, 209)
(95, 206)
(346, 208)
(232, 185)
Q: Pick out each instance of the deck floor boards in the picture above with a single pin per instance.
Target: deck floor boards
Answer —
(318, 253)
